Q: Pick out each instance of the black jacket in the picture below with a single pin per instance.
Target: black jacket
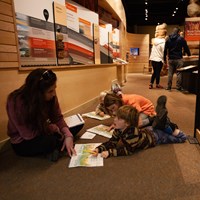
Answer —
(174, 47)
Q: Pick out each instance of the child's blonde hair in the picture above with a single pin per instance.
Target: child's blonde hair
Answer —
(129, 114)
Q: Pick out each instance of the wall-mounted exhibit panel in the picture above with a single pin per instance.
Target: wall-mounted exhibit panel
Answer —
(51, 33)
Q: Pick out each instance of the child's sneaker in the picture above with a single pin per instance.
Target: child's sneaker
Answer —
(150, 86)
(161, 101)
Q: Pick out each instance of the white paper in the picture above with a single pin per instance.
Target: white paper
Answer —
(74, 120)
(95, 116)
(84, 157)
(101, 130)
(88, 135)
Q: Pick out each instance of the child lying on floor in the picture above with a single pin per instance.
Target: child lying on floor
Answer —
(127, 138)
(100, 109)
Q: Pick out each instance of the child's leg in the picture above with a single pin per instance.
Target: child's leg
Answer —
(176, 132)
(164, 138)
(168, 130)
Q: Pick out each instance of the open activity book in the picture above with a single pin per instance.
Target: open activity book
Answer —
(95, 116)
(101, 130)
(84, 157)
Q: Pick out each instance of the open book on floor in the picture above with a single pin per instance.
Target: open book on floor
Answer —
(95, 116)
(84, 156)
(74, 120)
(101, 130)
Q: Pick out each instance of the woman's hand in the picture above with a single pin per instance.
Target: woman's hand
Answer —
(69, 144)
(104, 154)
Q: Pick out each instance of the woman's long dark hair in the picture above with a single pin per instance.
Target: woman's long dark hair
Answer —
(35, 111)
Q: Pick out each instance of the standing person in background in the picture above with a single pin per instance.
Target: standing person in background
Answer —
(35, 123)
(174, 47)
(157, 60)
(157, 54)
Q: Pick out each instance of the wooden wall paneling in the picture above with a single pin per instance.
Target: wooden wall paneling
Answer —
(6, 8)
(4, 65)
(8, 48)
(141, 41)
(6, 57)
(7, 1)
(9, 53)
(6, 18)
(7, 26)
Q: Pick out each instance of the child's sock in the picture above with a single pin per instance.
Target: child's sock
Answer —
(181, 135)
(176, 132)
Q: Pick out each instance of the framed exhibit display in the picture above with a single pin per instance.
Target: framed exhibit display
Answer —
(35, 29)
(55, 34)
(192, 27)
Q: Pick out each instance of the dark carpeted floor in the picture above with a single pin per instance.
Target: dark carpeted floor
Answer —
(166, 172)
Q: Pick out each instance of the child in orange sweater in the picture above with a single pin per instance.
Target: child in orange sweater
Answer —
(144, 106)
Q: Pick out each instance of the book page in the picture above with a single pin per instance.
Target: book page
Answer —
(101, 130)
(88, 135)
(95, 116)
(84, 157)
(74, 120)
